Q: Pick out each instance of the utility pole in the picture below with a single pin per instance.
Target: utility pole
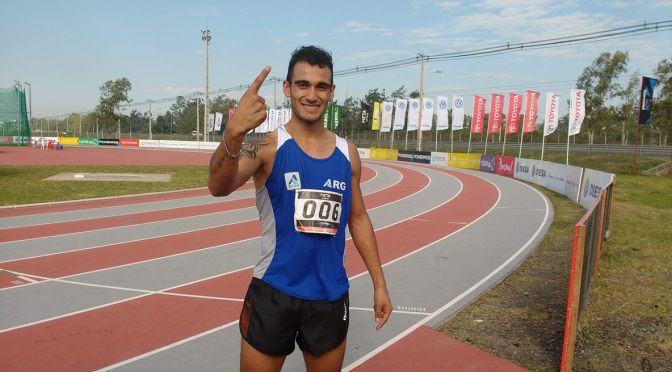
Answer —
(205, 36)
(198, 121)
(150, 119)
(418, 142)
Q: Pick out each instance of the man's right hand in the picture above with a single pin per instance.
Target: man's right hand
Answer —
(251, 110)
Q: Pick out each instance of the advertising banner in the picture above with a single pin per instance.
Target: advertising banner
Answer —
(458, 112)
(505, 165)
(439, 158)
(364, 153)
(68, 140)
(577, 110)
(383, 153)
(573, 182)
(479, 115)
(88, 141)
(169, 144)
(551, 117)
(513, 115)
(531, 107)
(523, 170)
(441, 113)
(386, 124)
(413, 114)
(415, 156)
(591, 186)
(427, 114)
(218, 121)
(496, 109)
(108, 142)
(400, 114)
(646, 99)
(488, 164)
(149, 143)
(375, 122)
(129, 142)
(465, 161)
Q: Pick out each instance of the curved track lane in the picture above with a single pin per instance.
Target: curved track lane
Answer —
(171, 302)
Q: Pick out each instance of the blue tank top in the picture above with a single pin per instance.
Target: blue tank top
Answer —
(304, 209)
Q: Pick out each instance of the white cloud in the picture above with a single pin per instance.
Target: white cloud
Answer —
(449, 5)
(357, 26)
(302, 35)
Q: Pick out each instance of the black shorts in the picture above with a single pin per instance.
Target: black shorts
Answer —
(272, 321)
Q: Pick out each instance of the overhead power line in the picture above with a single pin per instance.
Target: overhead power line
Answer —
(584, 38)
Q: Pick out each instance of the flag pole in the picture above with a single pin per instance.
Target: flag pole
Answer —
(504, 144)
(543, 142)
(469, 146)
(522, 135)
(485, 151)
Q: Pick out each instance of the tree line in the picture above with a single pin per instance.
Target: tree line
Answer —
(611, 108)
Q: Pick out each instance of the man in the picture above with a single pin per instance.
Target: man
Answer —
(307, 182)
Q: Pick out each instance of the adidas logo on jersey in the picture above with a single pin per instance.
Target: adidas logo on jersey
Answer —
(334, 184)
(292, 181)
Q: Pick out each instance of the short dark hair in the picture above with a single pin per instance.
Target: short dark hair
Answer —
(313, 55)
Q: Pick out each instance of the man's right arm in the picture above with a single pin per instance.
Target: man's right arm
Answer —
(233, 163)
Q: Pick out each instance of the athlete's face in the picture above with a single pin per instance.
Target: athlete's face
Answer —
(309, 91)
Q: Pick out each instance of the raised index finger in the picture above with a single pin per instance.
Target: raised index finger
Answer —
(256, 84)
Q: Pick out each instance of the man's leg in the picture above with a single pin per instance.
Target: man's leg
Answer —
(253, 360)
(332, 360)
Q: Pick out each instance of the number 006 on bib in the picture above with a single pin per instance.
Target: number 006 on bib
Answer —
(317, 211)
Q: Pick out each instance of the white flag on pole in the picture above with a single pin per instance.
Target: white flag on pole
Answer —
(551, 117)
(263, 128)
(400, 114)
(458, 112)
(218, 121)
(286, 115)
(441, 113)
(413, 114)
(577, 110)
(427, 114)
(386, 124)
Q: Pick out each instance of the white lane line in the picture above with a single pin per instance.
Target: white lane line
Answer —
(235, 322)
(192, 251)
(144, 294)
(121, 227)
(455, 300)
(167, 347)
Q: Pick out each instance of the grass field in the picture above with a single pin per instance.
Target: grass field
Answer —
(626, 326)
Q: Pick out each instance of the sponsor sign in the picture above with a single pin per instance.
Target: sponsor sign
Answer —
(439, 158)
(383, 154)
(149, 143)
(129, 142)
(190, 145)
(466, 161)
(593, 183)
(573, 182)
(88, 141)
(505, 165)
(364, 153)
(208, 145)
(108, 142)
(415, 156)
(488, 164)
(68, 140)
(523, 170)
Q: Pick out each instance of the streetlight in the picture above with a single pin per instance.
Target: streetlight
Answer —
(205, 36)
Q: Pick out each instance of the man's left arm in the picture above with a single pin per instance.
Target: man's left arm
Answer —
(364, 238)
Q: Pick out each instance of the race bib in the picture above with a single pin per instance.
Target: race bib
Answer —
(317, 211)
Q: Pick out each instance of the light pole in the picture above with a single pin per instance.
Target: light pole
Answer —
(205, 36)
(418, 145)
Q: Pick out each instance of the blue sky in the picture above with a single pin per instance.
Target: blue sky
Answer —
(68, 49)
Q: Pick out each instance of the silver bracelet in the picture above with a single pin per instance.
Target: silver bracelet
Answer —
(228, 153)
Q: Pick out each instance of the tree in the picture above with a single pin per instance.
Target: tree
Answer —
(399, 93)
(600, 82)
(628, 110)
(112, 94)
(375, 96)
(662, 108)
